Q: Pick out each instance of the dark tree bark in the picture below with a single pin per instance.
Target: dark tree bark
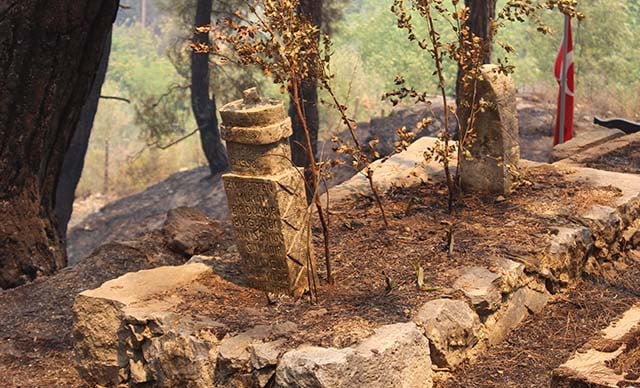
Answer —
(49, 54)
(482, 12)
(202, 102)
(74, 158)
(312, 10)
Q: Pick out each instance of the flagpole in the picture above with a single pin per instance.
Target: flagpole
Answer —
(563, 80)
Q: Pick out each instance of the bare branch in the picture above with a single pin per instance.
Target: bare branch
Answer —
(116, 98)
(176, 141)
(156, 144)
(171, 89)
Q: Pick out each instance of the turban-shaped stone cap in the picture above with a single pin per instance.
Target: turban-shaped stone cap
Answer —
(254, 120)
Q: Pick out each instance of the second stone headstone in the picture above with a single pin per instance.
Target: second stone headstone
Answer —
(494, 148)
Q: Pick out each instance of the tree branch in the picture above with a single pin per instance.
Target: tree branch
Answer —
(157, 144)
(171, 89)
(176, 141)
(116, 98)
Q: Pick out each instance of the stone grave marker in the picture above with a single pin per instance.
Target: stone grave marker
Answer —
(266, 196)
(495, 150)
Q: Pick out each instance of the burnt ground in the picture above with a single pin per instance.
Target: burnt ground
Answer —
(137, 214)
(375, 266)
(374, 270)
(546, 340)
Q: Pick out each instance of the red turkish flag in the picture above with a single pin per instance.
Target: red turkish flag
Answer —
(568, 115)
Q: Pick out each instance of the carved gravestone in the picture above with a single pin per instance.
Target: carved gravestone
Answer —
(266, 196)
(494, 149)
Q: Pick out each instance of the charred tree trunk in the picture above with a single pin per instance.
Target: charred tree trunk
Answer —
(312, 10)
(482, 13)
(49, 54)
(74, 158)
(202, 102)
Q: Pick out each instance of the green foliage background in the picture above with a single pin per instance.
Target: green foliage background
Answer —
(606, 53)
(369, 51)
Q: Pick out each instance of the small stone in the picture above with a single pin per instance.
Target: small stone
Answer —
(500, 198)
(313, 314)
(631, 237)
(452, 328)
(190, 231)
(523, 302)
(264, 358)
(206, 260)
(310, 366)
(482, 287)
(605, 222)
(266, 354)
(565, 256)
(511, 274)
(251, 97)
(138, 373)
(235, 357)
(184, 354)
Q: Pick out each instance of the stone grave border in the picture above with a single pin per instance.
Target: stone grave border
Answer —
(120, 340)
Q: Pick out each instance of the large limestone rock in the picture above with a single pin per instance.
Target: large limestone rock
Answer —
(125, 334)
(130, 332)
(585, 142)
(405, 169)
(452, 328)
(628, 185)
(266, 196)
(395, 356)
(492, 143)
(598, 234)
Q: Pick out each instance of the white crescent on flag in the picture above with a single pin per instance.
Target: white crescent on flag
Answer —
(558, 65)
(566, 94)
